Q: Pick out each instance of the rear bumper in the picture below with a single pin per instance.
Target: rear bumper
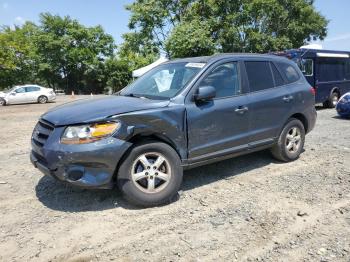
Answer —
(52, 98)
(311, 116)
(88, 165)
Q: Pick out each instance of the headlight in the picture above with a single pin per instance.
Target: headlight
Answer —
(88, 133)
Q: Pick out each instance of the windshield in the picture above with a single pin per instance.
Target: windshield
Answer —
(164, 81)
(9, 90)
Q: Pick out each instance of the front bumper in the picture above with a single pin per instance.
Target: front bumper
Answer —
(88, 165)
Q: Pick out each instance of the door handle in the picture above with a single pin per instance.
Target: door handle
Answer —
(287, 99)
(241, 110)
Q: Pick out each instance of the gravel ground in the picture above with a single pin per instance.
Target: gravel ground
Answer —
(250, 208)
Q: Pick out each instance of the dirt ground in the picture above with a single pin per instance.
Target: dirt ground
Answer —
(250, 208)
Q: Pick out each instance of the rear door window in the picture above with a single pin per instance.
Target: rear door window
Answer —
(290, 73)
(32, 89)
(259, 75)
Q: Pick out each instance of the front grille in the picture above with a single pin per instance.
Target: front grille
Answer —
(42, 132)
(40, 159)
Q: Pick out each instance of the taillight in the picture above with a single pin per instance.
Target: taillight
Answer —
(313, 91)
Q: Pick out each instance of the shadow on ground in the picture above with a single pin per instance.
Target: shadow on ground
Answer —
(58, 196)
(341, 118)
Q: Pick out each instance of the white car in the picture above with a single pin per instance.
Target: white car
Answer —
(27, 94)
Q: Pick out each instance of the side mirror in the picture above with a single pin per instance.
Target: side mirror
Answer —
(13, 93)
(205, 93)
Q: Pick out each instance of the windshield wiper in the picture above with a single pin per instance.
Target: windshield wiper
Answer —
(135, 95)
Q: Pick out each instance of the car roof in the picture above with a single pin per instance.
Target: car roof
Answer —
(217, 57)
(26, 85)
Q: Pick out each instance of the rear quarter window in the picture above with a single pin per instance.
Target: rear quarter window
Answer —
(290, 74)
(277, 76)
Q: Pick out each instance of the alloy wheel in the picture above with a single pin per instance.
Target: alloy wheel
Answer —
(42, 100)
(151, 172)
(293, 140)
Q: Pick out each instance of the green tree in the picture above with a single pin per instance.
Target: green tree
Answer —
(190, 39)
(59, 52)
(17, 55)
(71, 50)
(119, 73)
(232, 26)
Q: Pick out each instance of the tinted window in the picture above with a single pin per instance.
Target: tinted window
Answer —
(224, 79)
(32, 89)
(331, 69)
(259, 75)
(277, 76)
(20, 90)
(347, 70)
(289, 72)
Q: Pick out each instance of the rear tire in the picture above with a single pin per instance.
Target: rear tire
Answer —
(2, 102)
(150, 175)
(332, 100)
(42, 100)
(290, 142)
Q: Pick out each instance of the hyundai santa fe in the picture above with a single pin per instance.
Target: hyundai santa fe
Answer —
(181, 114)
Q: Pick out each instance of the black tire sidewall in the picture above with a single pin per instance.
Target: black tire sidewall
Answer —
(329, 102)
(134, 194)
(281, 142)
(4, 102)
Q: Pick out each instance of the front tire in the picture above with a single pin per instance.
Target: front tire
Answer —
(42, 100)
(332, 100)
(290, 142)
(150, 175)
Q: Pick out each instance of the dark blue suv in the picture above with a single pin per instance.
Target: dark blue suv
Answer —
(181, 114)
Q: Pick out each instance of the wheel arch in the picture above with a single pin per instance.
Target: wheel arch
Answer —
(335, 89)
(302, 119)
(144, 138)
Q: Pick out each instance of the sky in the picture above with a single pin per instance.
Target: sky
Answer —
(113, 17)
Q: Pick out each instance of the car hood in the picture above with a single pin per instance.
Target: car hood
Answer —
(90, 110)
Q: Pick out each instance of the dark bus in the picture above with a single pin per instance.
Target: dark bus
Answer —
(327, 71)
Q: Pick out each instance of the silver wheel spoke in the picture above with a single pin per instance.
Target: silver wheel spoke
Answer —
(150, 184)
(138, 176)
(293, 139)
(162, 176)
(144, 161)
(160, 160)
